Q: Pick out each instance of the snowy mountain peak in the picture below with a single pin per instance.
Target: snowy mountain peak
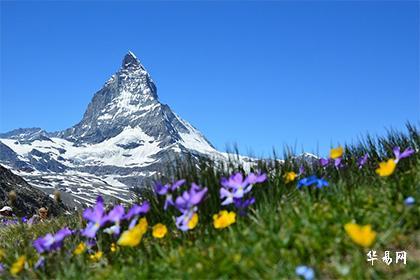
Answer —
(130, 59)
(125, 136)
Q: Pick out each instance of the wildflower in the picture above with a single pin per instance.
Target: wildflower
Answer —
(115, 215)
(301, 170)
(312, 180)
(409, 201)
(135, 212)
(361, 235)
(1, 268)
(96, 257)
(18, 266)
(254, 178)
(289, 177)
(132, 237)
(242, 205)
(167, 191)
(338, 162)
(305, 271)
(113, 247)
(362, 161)
(324, 162)
(159, 230)
(2, 254)
(227, 195)
(143, 225)
(406, 153)
(187, 204)
(51, 242)
(193, 221)
(190, 198)
(386, 168)
(80, 249)
(236, 186)
(90, 243)
(187, 220)
(223, 219)
(40, 263)
(336, 153)
(96, 217)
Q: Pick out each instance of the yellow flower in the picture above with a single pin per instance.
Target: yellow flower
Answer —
(18, 266)
(159, 231)
(96, 257)
(336, 153)
(113, 247)
(143, 225)
(289, 177)
(132, 237)
(361, 235)
(386, 168)
(81, 248)
(224, 219)
(2, 254)
(193, 222)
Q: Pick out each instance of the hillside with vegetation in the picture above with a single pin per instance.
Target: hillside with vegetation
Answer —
(283, 219)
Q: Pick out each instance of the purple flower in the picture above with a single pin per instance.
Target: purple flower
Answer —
(115, 216)
(236, 186)
(190, 198)
(242, 205)
(1, 268)
(182, 221)
(409, 201)
(40, 263)
(406, 153)
(90, 243)
(305, 271)
(254, 178)
(362, 160)
(301, 170)
(324, 162)
(338, 163)
(226, 195)
(236, 182)
(167, 191)
(96, 217)
(312, 180)
(51, 242)
(135, 212)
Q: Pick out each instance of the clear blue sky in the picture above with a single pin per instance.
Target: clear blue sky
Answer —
(260, 74)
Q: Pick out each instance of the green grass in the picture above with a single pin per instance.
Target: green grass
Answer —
(285, 228)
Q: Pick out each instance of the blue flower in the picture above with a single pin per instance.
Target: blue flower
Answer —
(305, 271)
(409, 201)
(312, 180)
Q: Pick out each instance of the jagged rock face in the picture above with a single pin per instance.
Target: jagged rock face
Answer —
(128, 99)
(125, 136)
(28, 199)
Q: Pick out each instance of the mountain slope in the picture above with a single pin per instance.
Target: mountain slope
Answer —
(125, 136)
(28, 199)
